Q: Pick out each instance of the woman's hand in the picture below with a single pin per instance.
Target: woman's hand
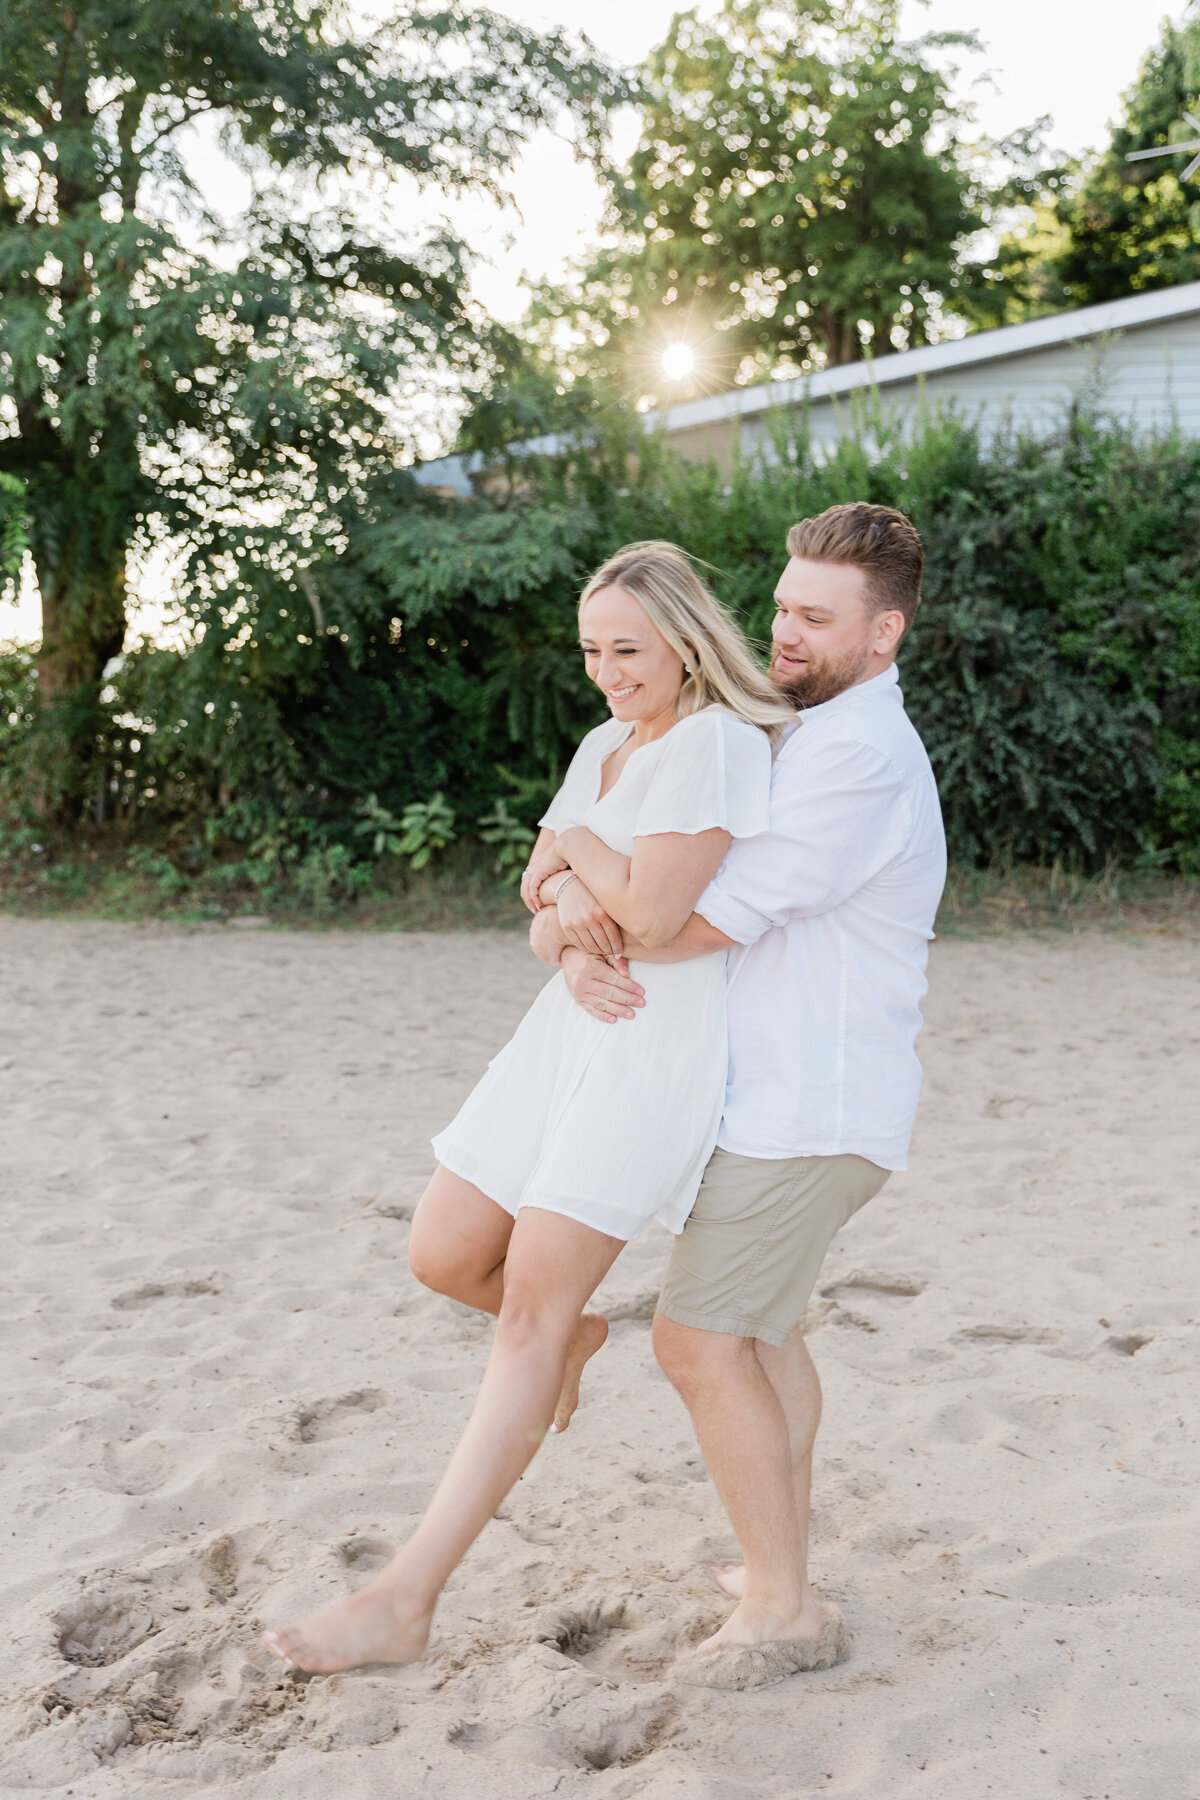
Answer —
(542, 864)
(584, 922)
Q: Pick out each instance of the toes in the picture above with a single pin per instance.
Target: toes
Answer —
(272, 1640)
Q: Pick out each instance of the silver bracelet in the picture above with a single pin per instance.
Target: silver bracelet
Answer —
(569, 877)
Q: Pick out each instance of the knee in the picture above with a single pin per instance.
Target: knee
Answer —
(434, 1265)
(529, 1318)
(693, 1360)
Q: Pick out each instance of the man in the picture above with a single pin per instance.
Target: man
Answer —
(829, 917)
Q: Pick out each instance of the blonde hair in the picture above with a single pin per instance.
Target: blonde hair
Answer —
(719, 669)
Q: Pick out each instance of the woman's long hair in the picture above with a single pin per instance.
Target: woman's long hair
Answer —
(719, 669)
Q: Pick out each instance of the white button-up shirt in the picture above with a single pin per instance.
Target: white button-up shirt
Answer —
(836, 905)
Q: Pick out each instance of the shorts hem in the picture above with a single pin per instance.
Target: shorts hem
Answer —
(728, 1324)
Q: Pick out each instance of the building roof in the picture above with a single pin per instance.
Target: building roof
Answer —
(995, 345)
(935, 359)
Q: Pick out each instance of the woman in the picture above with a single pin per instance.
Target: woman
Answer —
(577, 1136)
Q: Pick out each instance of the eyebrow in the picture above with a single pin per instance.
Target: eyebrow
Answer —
(615, 640)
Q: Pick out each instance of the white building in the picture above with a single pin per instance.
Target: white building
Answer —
(1138, 359)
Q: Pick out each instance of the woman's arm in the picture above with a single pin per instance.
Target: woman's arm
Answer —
(543, 862)
(652, 893)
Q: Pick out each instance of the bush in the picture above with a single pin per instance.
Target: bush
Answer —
(1054, 671)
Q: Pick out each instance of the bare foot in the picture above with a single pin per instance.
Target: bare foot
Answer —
(590, 1334)
(730, 1578)
(378, 1624)
(751, 1622)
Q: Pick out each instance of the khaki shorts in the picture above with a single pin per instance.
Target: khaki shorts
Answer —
(749, 1256)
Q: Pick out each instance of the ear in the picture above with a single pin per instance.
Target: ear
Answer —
(889, 629)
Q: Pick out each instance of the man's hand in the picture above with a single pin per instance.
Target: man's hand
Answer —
(584, 922)
(545, 938)
(605, 990)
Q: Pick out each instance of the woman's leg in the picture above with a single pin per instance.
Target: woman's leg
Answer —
(458, 1245)
(458, 1242)
(553, 1265)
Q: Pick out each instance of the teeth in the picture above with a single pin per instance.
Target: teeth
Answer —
(623, 693)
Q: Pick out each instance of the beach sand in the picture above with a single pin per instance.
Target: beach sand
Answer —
(227, 1400)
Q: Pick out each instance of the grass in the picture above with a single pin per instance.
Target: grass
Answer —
(102, 881)
(1000, 901)
(463, 893)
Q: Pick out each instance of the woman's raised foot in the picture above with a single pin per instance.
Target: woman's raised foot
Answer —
(378, 1624)
(590, 1334)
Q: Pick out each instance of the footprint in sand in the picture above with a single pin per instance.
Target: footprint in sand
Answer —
(907, 1286)
(150, 1291)
(220, 1565)
(97, 1631)
(365, 1555)
(138, 1466)
(608, 1636)
(334, 1418)
(1007, 1334)
(560, 1708)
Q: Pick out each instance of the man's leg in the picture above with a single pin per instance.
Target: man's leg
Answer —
(727, 1336)
(744, 1429)
(793, 1374)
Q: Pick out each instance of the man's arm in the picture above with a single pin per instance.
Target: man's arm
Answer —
(698, 938)
(605, 989)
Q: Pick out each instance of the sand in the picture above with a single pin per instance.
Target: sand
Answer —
(228, 1400)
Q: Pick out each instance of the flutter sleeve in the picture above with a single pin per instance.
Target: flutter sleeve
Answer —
(714, 772)
(581, 782)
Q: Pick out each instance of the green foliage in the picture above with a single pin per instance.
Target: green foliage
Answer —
(385, 831)
(241, 406)
(156, 867)
(14, 530)
(428, 827)
(804, 193)
(513, 839)
(1120, 227)
(1054, 670)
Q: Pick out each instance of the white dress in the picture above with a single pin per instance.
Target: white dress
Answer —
(612, 1124)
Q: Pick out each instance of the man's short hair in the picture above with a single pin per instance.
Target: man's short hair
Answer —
(876, 539)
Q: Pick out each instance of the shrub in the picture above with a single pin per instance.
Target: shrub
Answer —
(1054, 671)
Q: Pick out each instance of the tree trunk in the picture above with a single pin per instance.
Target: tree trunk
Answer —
(83, 627)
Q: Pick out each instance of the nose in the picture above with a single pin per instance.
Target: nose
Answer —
(608, 672)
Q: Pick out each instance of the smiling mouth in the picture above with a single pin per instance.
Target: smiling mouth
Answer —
(625, 693)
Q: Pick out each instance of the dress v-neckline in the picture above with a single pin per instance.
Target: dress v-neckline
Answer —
(600, 793)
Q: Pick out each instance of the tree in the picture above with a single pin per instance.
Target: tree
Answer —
(233, 391)
(1133, 226)
(801, 196)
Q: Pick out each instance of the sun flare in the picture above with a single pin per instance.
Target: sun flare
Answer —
(678, 361)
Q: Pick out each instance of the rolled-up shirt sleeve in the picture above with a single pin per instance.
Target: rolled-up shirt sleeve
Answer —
(837, 819)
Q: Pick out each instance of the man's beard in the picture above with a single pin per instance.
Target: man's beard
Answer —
(824, 678)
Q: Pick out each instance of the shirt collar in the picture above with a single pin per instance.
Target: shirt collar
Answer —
(875, 688)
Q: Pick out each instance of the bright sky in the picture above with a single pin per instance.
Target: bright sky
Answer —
(1040, 57)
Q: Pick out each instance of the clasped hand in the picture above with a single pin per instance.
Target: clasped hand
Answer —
(540, 867)
(581, 918)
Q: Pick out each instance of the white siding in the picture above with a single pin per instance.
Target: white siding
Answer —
(1148, 376)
